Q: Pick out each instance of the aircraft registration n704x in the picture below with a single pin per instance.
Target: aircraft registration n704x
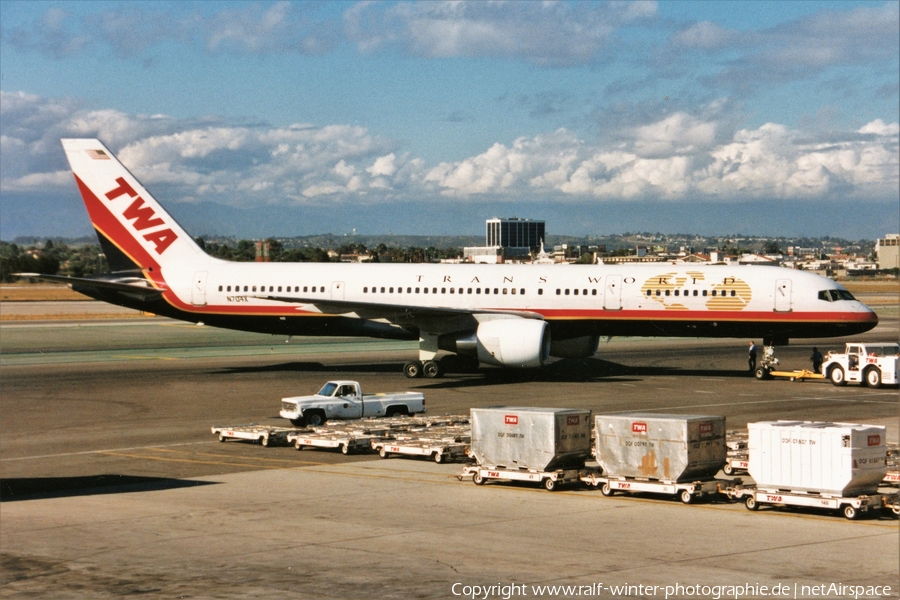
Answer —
(505, 315)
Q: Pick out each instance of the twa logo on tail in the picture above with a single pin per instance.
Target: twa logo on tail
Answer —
(143, 217)
(123, 211)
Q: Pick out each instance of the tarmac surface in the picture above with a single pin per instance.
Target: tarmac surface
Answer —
(112, 484)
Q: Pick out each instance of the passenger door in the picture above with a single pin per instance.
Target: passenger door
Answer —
(612, 293)
(783, 295)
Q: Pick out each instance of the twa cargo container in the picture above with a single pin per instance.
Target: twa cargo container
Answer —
(843, 459)
(540, 439)
(660, 447)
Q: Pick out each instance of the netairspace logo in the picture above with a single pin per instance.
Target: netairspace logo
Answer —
(714, 592)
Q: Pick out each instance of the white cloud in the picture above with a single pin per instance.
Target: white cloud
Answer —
(544, 33)
(680, 157)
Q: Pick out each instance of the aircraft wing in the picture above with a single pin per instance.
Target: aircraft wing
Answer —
(397, 312)
(129, 285)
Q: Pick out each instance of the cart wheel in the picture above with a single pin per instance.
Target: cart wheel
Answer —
(606, 489)
(264, 441)
(549, 484)
(793, 379)
(686, 496)
(750, 502)
(477, 479)
(728, 469)
(437, 457)
(345, 449)
(221, 438)
(382, 452)
(850, 512)
(761, 373)
(298, 445)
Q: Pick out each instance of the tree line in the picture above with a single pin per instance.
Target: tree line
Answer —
(84, 260)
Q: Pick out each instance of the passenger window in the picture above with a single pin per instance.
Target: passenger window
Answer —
(495, 291)
(575, 292)
(540, 291)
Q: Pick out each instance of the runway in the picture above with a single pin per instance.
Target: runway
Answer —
(112, 483)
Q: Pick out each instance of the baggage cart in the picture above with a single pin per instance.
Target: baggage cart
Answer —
(686, 491)
(439, 451)
(262, 434)
(346, 442)
(549, 480)
(850, 506)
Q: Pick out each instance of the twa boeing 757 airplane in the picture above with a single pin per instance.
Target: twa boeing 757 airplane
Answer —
(503, 315)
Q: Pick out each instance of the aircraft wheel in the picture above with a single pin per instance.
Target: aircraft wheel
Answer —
(413, 369)
(837, 376)
(873, 378)
(431, 369)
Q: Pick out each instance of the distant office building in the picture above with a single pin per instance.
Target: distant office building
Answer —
(888, 251)
(514, 233)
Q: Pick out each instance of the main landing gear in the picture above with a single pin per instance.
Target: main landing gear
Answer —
(434, 368)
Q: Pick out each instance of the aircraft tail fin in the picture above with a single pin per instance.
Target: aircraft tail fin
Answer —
(136, 233)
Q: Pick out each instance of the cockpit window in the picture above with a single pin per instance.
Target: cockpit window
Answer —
(835, 295)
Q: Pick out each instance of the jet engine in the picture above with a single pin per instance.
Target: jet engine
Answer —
(515, 342)
(580, 347)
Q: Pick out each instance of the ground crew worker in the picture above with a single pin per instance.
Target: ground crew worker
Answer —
(751, 357)
(816, 360)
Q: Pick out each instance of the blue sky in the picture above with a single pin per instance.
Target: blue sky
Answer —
(265, 118)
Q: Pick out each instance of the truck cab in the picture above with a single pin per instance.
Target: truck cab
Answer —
(873, 364)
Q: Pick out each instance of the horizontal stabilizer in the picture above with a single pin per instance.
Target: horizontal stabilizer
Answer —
(130, 285)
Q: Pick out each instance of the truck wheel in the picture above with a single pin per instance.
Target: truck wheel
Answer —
(477, 479)
(607, 490)
(873, 378)
(315, 419)
(431, 369)
(850, 512)
(686, 496)
(751, 503)
(761, 373)
(413, 369)
(301, 422)
(396, 411)
(836, 375)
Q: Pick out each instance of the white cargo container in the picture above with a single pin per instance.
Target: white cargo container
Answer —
(660, 447)
(541, 439)
(843, 459)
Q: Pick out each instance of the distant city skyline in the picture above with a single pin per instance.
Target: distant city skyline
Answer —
(259, 119)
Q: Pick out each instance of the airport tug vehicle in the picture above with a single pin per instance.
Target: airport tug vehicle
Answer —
(873, 365)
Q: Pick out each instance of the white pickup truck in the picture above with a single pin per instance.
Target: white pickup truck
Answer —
(869, 364)
(345, 400)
